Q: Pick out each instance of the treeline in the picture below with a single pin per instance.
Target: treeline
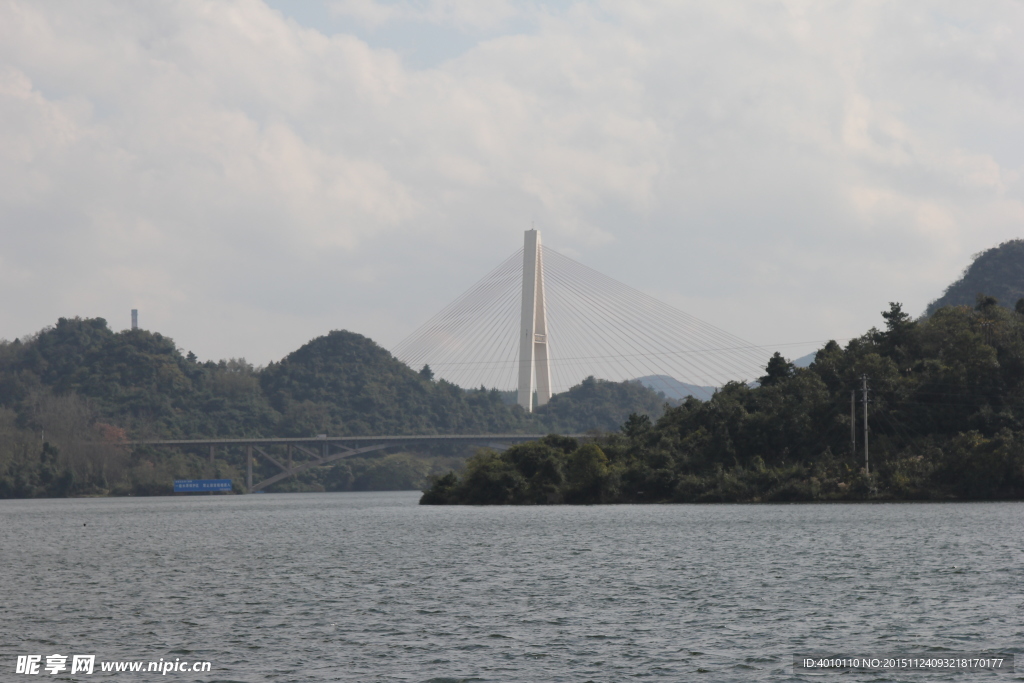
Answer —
(73, 395)
(946, 420)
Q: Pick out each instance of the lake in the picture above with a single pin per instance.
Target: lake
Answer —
(373, 587)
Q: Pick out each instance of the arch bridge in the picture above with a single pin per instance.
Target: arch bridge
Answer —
(322, 450)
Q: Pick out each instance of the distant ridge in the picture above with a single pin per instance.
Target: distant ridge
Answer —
(996, 272)
(677, 391)
(674, 389)
(805, 361)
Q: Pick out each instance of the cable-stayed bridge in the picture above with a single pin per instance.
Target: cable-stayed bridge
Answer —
(540, 322)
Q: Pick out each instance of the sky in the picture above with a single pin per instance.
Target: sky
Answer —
(251, 175)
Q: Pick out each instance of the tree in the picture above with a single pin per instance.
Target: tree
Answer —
(896, 321)
(985, 303)
(636, 425)
(778, 369)
(426, 373)
(586, 473)
(898, 340)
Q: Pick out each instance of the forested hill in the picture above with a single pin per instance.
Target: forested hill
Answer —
(997, 272)
(343, 383)
(339, 384)
(946, 421)
(135, 380)
(71, 394)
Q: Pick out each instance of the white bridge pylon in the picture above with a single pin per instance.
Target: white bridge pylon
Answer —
(533, 328)
(540, 323)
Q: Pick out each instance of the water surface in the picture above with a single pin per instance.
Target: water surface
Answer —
(373, 587)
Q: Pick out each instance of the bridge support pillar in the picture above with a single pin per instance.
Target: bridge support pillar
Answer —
(533, 335)
(248, 469)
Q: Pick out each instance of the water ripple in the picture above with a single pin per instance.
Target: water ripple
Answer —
(372, 587)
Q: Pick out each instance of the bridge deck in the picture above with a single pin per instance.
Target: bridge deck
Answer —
(350, 445)
(406, 438)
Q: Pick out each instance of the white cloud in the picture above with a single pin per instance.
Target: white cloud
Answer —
(462, 14)
(250, 182)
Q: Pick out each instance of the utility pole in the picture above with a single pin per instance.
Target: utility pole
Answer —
(853, 422)
(864, 388)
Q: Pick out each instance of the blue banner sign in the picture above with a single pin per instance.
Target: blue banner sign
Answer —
(201, 485)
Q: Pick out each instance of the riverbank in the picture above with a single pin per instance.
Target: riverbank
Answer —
(558, 470)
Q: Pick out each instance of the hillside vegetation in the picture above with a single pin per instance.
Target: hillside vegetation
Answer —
(946, 418)
(72, 395)
(997, 272)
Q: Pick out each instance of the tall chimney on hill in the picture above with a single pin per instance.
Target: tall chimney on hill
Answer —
(135, 318)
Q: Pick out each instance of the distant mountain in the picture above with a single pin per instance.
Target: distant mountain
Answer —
(996, 272)
(674, 389)
(805, 361)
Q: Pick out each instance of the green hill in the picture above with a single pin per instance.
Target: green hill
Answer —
(344, 383)
(946, 422)
(70, 394)
(997, 272)
(596, 404)
(136, 380)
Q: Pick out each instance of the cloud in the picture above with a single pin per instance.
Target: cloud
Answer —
(250, 181)
(461, 14)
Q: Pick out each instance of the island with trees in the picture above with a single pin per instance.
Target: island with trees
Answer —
(946, 418)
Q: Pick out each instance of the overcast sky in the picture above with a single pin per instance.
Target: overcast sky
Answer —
(252, 175)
